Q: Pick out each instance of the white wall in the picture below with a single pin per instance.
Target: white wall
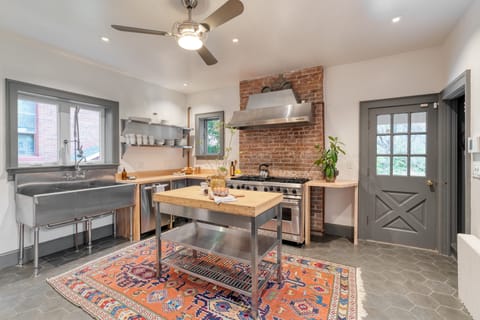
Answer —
(462, 51)
(226, 99)
(29, 61)
(411, 73)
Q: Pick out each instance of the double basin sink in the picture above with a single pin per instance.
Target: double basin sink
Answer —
(46, 203)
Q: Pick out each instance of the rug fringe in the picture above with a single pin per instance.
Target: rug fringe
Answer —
(361, 296)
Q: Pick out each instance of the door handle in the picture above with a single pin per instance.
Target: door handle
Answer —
(429, 183)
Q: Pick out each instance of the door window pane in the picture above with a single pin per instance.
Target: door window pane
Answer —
(400, 166)
(383, 166)
(37, 132)
(419, 122)
(400, 123)
(400, 144)
(418, 144)
(383, 144)
(383, 123)
(418, 166)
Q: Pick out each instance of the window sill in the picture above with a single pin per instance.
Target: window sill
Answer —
(13, 171)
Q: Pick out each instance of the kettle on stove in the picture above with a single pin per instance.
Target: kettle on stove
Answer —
(263, 170)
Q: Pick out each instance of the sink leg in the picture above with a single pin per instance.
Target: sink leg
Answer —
(36, 233)
(131, 224)
(21, 237)
(75, 238)
(89, 235)
(114, 218)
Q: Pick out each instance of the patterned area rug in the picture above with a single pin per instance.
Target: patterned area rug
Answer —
(123, 286)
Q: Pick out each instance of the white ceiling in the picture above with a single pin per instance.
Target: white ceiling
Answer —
(275, 35)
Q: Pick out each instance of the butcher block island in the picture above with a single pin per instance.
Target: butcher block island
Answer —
(221, 244)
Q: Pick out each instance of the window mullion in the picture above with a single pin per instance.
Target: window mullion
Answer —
(64, 135)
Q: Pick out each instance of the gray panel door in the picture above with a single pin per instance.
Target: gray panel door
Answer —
(402, 175)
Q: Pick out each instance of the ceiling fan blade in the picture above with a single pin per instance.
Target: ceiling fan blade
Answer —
(140, 30)
(226, 12)
(207, 56)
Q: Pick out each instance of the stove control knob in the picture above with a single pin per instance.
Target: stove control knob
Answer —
(270, 188)
(247, 187)
(229, 186)
(243, 186)
(265, 189)
(278, 189)
(294, 191)
(255, 189)
(285, 191)
(238, 186)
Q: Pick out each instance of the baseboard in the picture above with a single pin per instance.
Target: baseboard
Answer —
(339, 230)
(45, 248)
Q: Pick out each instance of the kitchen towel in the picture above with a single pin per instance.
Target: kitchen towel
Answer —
(228, 198)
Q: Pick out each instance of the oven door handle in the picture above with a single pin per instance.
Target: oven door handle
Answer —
(291, 201)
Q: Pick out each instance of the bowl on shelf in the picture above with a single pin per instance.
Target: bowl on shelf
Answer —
(180, 142)
(170, 142)
(160, 142)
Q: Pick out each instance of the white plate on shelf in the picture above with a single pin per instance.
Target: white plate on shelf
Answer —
(163, 121)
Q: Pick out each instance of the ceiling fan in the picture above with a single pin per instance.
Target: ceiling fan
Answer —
(191, 35)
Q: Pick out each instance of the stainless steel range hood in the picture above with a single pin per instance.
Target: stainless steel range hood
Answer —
(274, 108)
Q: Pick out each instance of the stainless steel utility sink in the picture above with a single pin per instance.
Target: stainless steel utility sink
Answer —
(50, 200)
(41, 205)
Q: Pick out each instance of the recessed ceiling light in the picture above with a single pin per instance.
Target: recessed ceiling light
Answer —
(235, 40)
(105, 39)
(396, 19)
(185, 84)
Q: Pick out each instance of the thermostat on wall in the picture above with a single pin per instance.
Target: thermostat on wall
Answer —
(473, 144)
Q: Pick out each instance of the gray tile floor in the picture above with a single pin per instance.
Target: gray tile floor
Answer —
(400, 283)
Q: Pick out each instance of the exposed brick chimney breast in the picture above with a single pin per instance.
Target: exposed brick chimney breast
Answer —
(290, 150)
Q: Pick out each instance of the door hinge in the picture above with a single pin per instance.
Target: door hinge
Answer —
(367, 219)
(368, 172)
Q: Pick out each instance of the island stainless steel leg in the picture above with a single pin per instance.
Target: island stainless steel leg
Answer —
(254, 267)
(131, 224)
(279, 244)
(158, 235)
(36, 232)
(21, 244)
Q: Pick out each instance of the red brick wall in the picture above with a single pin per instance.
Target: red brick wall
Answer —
(290, 150)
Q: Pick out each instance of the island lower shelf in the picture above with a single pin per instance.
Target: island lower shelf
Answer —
(222, 271)
(222, 241)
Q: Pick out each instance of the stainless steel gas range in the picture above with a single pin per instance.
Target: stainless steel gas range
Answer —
(293, 220)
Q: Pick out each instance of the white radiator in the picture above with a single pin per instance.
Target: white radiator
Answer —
(469, 273)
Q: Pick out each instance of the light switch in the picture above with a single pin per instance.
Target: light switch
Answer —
(476, 170)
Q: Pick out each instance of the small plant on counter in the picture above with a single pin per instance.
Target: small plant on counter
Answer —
(328, 158)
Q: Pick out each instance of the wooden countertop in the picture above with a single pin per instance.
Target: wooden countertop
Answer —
(336, 184)
(252, 204)
(159, 178)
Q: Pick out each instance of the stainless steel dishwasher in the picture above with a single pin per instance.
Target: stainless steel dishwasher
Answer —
(147, 211)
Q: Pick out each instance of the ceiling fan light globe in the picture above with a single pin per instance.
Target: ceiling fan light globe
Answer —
(190, 42)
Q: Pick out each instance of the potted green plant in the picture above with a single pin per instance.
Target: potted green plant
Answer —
(328, 158)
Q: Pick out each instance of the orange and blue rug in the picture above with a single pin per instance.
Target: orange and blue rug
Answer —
(123, 286)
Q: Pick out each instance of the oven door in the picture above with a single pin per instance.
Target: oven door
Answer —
(292, 221)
